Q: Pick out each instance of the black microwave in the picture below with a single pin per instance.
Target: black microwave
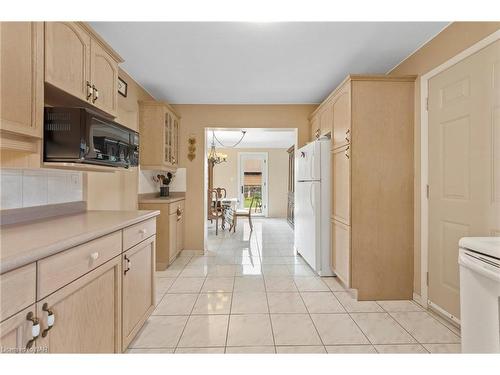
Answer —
(79, 135)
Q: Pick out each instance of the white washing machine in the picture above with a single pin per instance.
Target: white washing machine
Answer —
(479, 259)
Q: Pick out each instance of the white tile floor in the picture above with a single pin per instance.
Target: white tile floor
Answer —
(250, 293)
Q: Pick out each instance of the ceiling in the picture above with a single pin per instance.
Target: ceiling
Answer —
(258, 63)
(254, 138)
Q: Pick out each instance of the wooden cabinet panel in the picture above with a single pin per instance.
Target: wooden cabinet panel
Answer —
(180, 232)
(60, 269)
(341, 185)
(16, 332)
(138, 232)
(17, 290)
(172, 239)
(138, 288)
(159, 129)
(21, 72)
(341, 251)
(87, 313)
(104, 78)
(314, 123)
(67, 57)
(342, 117)
(326, 119)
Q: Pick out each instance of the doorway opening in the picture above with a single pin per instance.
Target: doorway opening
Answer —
(252, 174)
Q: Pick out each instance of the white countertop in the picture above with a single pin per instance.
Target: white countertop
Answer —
(28, 242)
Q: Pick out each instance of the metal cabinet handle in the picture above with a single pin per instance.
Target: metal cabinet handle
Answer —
(94, 255)
(35, 329)
(51, 318)
(347, 152)
(89, 91)
(95, 94)
(347, 135)
(129, 265)
(143, 231)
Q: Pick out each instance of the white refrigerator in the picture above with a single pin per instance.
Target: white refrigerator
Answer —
(312, 205)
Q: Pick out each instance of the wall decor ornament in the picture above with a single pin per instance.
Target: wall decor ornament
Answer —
(191, 148)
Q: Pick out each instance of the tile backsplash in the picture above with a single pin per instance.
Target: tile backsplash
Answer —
(38, 187)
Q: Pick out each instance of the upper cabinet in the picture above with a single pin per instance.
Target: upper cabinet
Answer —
(21, 92)
(67, 58)
(80, 63)
(159, 129)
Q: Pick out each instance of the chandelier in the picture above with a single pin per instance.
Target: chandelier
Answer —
(215, 157)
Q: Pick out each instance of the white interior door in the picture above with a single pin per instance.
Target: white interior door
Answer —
(464, 166)
(252, 181)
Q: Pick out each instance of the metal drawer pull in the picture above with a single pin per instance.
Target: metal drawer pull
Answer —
(94, 255)
(35, 329)
(95, 94)
(347, 133)
(51, 318)
(347, 152)
(129, 265)
(143, 231)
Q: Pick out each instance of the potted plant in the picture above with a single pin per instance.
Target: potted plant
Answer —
(165, 181)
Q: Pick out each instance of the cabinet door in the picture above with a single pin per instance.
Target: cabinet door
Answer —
(314, 128)
(341, 251)
(180, 230)
(138, 287)
(21, 82)
(175, 154)
(67, 57)
(341, 185)
(168, 139)
(172, 232)
(104, 79)
(86, 312)
(342, 117)
(17, 332)
(326, 119)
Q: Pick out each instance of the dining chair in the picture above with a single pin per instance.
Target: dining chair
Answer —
(214, 207)
(244, 212)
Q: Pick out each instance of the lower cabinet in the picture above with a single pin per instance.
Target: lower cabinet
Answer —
(138, 287)
(85, 315)
(18, 333)
(341, 251)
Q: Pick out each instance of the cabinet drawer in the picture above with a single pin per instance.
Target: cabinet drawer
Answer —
(176, 205)
(60, 269)
(138, 232)
(17, 290)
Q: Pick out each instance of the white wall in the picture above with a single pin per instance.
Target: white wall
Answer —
(38, 187)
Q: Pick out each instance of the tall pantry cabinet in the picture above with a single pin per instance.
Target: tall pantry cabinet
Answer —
(372, 184)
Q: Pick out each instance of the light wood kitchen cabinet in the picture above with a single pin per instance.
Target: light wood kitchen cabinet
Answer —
(80, 63)
(104, 78)
(21, 93)
(67, 58)
(86, 313)
(138, 288)
(372, 185)
(16, 333)
(326, 119)
(159, 129)
(315, 129)
(170, 231)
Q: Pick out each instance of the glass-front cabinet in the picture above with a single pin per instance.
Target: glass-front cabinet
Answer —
(159, 135)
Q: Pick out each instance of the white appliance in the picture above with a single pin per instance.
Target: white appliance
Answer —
(312, 205)
(479, 259)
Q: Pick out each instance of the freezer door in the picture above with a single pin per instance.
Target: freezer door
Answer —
(307, 221)
(308, 162)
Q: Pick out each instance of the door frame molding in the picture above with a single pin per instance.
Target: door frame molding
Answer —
(265, 211)
(424, 164)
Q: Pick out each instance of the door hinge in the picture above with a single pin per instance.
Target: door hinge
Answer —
(427, 190)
